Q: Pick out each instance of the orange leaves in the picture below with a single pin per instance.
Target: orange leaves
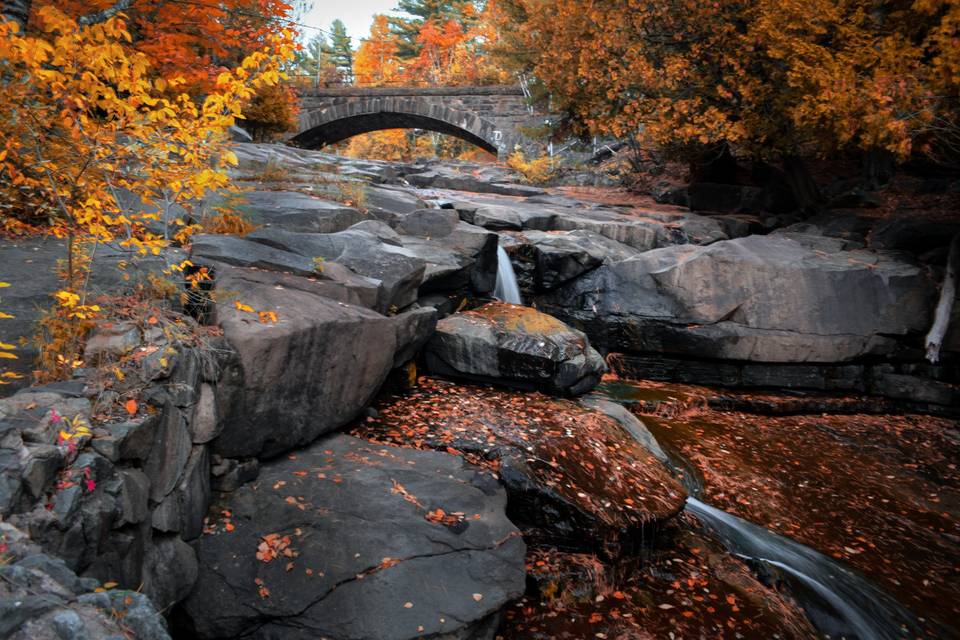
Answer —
(273, 546)
(684, 73)
(264, 317)
(131, 407)
(399, 489)
(439, 516)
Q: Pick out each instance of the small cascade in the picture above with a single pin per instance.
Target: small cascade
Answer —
(506, 289)
(838, 601)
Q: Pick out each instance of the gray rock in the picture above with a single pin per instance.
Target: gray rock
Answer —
(238, 134)
(41, 467)
(134, 438)
(427, 223)
(560, 257)
(118, 339)
(760, 298)
(169, 455)
(515, 345)
(381, 230)
(631, 424)
(244, 253)
(368, 552)
(334, 281)
(231, 474)
(205, 425)
(42, 599)
(134, 497)
(414, 329)
(295, 211)
(310, 372)
(170, 571)
(398, 271)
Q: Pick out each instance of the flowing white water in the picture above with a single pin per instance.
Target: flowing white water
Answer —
(846, 604)
(506, 289)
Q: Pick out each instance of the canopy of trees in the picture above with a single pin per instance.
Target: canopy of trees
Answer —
(767, 77)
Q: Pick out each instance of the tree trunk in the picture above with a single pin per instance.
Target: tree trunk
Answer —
(802, 185)
(16, 10)
(878, 167)
(948, 293)
(715, 164)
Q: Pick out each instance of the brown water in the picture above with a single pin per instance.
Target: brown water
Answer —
(879, 493)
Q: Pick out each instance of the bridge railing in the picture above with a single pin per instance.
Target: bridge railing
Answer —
(312, 83)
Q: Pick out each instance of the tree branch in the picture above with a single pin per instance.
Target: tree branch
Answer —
(106, 14)
(941, 317)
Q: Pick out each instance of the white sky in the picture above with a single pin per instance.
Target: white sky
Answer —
(356, 14)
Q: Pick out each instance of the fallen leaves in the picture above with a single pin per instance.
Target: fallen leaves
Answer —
(273, 546)
(399, 489)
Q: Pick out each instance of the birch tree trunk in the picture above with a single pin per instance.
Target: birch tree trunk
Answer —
(948, 293)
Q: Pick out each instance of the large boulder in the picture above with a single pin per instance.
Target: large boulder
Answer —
(398, 272)
(457, 254)
(515, 345)
(575, 478)
(311, 371)
(559, 257)
(759, 298)
(349, 539)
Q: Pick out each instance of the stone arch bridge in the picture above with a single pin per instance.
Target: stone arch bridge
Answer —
(490, 117)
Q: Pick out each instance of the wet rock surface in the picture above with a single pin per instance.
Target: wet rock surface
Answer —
(349, 539)
(575, 478)
(516, 345)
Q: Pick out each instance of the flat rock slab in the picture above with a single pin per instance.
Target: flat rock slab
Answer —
(511, 344)
(296, 211)
(349, 539)
(576, 478)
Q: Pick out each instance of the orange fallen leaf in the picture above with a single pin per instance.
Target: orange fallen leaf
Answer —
(131, 406)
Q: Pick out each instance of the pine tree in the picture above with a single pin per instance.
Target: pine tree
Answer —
(314, 61)
(341, 50)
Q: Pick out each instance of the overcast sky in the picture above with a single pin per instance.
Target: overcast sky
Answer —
(356, 14)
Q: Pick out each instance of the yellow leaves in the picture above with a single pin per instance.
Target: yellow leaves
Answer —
(67, 299)
(264, 317)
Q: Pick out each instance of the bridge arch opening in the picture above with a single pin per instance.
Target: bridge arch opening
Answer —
(347, 117)
(347, 127)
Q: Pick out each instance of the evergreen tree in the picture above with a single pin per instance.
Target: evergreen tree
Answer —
(341, 50)
(314, 57)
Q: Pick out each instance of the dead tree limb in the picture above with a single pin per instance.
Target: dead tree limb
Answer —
(948, 293)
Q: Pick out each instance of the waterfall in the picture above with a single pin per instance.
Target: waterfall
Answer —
(839, 602)
(506, 289)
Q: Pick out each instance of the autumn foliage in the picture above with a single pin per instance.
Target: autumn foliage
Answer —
(768, 77)
(99, 145)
